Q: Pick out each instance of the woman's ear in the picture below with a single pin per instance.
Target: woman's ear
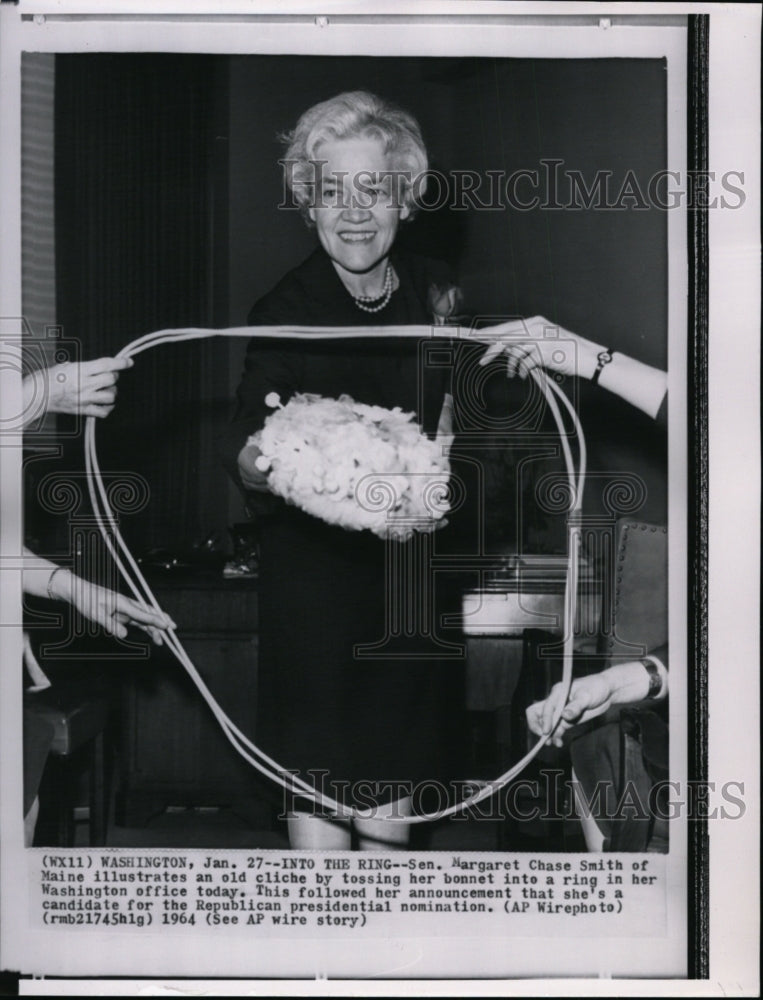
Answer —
(405, 211)
(311, 214)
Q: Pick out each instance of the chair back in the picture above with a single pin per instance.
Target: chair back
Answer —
(639, 592)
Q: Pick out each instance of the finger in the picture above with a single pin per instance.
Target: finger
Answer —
(106, 365)
(516, 353)
(549, 710)
(491, 353)
(93, 410)
(101, 397)
(527, 363)
(162, 623)
(101, 380)
(141, 614)
(115, 628)
(533, 715)
(573, 710)
(557, 739)
(155, 634)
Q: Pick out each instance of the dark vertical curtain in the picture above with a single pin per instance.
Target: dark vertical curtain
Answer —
(38, 292)
(134, 191)
(38, 281)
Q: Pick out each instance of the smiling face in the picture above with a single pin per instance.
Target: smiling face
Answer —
(357, 210)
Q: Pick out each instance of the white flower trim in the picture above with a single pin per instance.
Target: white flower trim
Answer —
(357, 466)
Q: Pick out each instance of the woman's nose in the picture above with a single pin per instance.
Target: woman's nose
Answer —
(355, 213)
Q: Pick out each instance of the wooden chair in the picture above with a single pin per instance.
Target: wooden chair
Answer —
(78, 714)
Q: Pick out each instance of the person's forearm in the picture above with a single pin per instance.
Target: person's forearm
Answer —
(629, 682)
(560, 350)
(43, 578)
(31, 386)
(638, 384)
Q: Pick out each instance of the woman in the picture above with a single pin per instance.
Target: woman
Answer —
(376, 725)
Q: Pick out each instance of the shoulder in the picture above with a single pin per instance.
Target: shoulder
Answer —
(288, 301)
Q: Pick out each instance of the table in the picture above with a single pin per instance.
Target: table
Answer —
(173, 751)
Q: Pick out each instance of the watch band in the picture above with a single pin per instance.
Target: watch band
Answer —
(603, 358)
(655, 680)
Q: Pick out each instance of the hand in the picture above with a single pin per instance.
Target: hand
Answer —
(112, 611)
(87, 388)
(251, 476)
(403, 533)
(539, 343)
(589, 697)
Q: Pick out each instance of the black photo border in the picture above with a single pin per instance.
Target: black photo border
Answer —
(698, 860)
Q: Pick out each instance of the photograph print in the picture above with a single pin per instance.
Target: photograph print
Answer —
(360, 540)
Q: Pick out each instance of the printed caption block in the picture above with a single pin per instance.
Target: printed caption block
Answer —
(264, 892)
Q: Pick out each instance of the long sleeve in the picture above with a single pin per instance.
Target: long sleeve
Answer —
(270, 366)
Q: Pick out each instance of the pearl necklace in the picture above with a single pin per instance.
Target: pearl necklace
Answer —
(361, 301)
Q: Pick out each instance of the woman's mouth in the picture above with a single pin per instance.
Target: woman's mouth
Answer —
(356, 237)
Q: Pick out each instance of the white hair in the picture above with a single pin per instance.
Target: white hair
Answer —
(351, 115)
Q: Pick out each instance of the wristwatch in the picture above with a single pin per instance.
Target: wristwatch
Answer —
(603, 358)
(655, 680)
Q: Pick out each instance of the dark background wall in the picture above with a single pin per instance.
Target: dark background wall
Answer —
(167, 214)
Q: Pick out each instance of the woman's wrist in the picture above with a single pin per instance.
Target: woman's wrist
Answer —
(629, 682)
(34, 396)
(633, 681)
(59, 586)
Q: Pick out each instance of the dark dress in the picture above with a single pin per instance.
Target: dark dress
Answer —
(363, 723)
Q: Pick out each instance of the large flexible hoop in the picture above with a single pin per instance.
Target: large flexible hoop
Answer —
(140, 589)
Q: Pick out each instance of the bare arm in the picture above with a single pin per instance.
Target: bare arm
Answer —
(622, 684)
(112, 611)
(87, 388)
(539, 343)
